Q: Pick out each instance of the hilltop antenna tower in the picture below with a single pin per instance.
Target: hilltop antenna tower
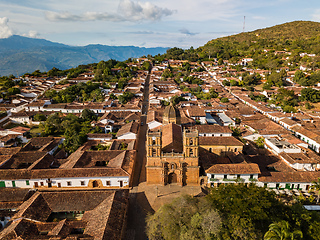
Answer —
(244, 23)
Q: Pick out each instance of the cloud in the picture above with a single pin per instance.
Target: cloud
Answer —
(31, 34)
(88, 16)
(187, 32)
(142, 32)
(137, 11)
(5, 30)
(127, 11)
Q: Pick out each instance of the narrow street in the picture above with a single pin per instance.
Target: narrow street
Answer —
(136, 214)
(139, 171)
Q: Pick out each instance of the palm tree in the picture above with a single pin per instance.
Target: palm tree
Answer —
(281, 231)
(296, 234)
(278, 231)
(316, 187)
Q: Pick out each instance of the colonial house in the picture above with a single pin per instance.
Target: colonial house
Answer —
(232, 173)
(221, 146)
(79, 214)
(83, 168)
(197, 114)
(128, 131)
(311, 138)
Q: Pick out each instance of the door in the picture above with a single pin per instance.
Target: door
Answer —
(2, 184)
(36, 184)
(121, 183)
(13, 183)
(287, 185)
(95, 184)
(172, 178)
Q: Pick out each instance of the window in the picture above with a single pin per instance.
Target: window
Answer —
(27, 182)
(108, 183)
(154, 152)
(36, 184)
(212, 175)
(251, 176)
(225, 176)
(235, 149)
(191, 152)
(121, 183)
(82, 183)
(69, 183)
(210, 150)
(41, 184)
(238, 176)
(191, 142)
(59, 184)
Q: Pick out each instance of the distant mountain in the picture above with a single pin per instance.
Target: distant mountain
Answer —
(21, 54)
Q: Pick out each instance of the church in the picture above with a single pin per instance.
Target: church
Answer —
(172, 152)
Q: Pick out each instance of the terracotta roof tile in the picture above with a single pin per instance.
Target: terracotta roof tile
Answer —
(240, 168)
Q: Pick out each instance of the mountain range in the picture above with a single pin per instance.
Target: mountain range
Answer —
(21, 54)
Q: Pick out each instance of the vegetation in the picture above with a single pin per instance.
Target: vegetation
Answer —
(185, 218)
(74, 129)
(233, 212)
(260, 142)
(81, 92)
(316, 187)
(281, 231)
(114, 71)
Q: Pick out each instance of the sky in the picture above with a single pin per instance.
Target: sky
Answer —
(165, 23)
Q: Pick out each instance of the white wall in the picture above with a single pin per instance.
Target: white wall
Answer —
(75, 182)
(154, 124)
(219, 178)
(128, 136)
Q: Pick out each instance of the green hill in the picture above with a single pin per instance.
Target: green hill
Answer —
(288, 31)
(298, 36)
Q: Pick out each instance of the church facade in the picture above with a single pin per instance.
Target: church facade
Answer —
(172, 153)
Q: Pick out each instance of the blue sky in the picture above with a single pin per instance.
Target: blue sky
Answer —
(165, 23)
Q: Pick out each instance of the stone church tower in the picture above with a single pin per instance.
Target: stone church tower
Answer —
(172, 154)
(171, 115)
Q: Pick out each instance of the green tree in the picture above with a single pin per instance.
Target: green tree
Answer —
(310, 94)
(213, 93)
(13, 91)
(281, 231)
(39, 117)
(316, 187)
(260, 142)
(146, 65)
(185, 218)
(88, 115)
(224, 100)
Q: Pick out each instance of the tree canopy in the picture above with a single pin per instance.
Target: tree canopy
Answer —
(232, 212)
